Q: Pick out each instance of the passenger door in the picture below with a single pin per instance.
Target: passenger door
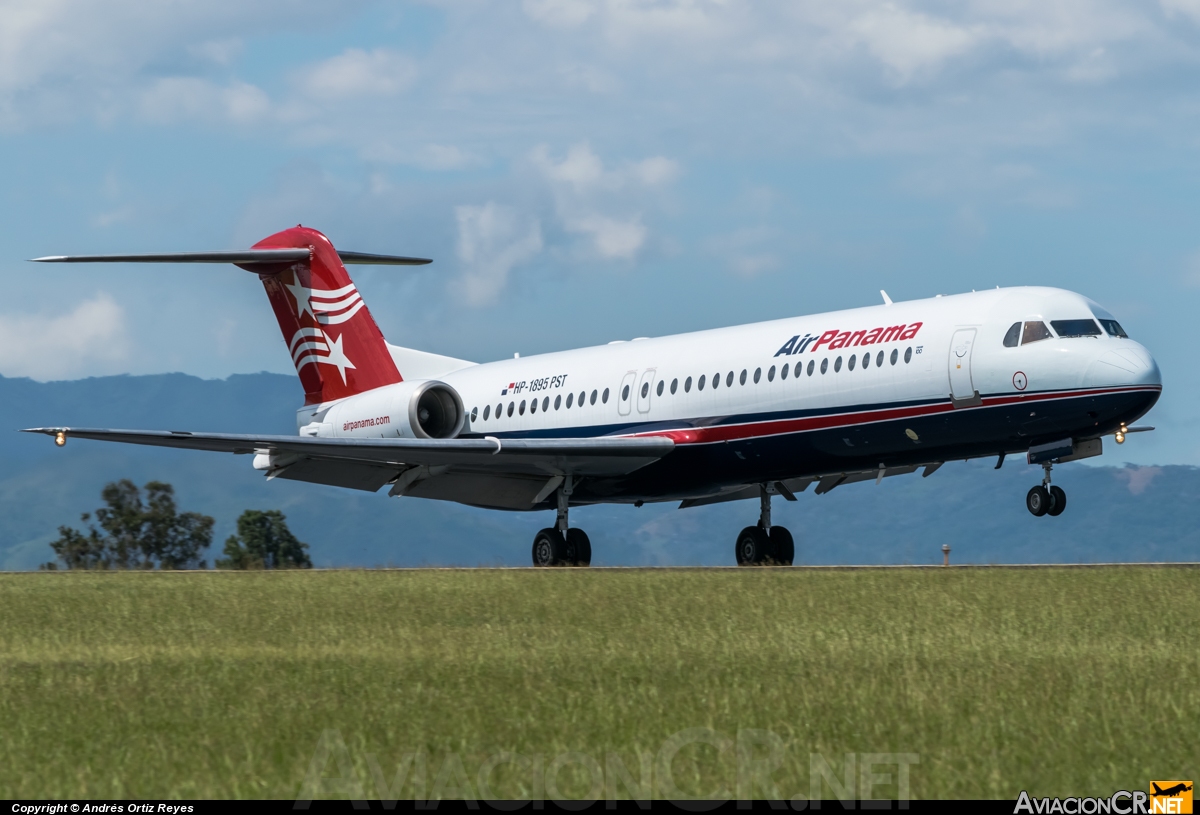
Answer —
(962, 389)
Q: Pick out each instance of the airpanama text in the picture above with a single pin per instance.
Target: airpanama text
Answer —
(835, 339)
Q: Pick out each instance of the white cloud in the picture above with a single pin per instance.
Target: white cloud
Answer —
(581, 168)
(174, 99)
(492, 240)
(908, 42)
(611, 238)
(559, 13)
(355, 72)
(89, 340)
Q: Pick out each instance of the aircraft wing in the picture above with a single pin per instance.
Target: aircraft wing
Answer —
(368, 464)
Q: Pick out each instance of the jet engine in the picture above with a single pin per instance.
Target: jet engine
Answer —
(422, 409)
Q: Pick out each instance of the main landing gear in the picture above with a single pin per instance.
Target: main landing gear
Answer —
(765, 545)
(1045, 499)
(561, 545)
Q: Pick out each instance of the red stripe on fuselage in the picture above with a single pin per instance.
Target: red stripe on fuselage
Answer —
(779, 427)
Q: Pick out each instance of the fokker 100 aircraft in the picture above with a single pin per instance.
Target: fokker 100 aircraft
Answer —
(750, 411)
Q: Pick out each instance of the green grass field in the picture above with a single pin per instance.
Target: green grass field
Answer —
(1059, 681)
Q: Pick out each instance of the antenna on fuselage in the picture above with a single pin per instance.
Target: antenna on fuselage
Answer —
(887, 301)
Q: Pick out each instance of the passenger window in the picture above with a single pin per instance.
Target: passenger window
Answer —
(879, 360)
(661, 385)
(487, 411)
(1075, 328)
(729, 379)
(687, 385)
(907, 355)
(811, 363)
(700, 383)
(511, 407)
(582, 396)
(771, 374)
(624, 394)
(824, 365)
(604, 396)
(674, 386)
(783, 371)
(645, 389)
(850, 362)
(716, 381)
(499, 410)
(474, 413)
(558, 401)
(837, 365)
(1013, 337)
(570, 399)
(545, 404)
(742, 378)
(1114, 329)
(594, 395)
(757, 375)
(866, 361)
(532, 407)
(895, 355)
(1035, 330)
(521, 409)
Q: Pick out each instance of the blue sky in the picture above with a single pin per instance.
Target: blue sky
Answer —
(590, 170)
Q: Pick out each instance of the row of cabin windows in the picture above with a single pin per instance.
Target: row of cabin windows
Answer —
(513, 407)
(1035, 331)
(853, 361)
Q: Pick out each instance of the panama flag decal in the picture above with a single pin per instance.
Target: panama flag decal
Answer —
(504, 391)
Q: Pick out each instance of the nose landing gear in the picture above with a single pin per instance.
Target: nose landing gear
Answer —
(764, 544)
(1045, 499)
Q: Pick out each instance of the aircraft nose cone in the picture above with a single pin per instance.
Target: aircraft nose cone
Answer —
(1130, 364)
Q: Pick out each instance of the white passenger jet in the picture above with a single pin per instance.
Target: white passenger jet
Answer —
(751, 411)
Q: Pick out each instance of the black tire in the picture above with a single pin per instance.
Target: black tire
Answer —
(549, 549)
(753, 546)
(579, 548)
(1058, 501)
(1037, 501)
(783, 548)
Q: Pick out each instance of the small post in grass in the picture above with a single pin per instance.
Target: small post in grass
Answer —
(945, 554)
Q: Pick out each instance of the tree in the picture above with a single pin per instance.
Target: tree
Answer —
(136, 535)
(263, 541)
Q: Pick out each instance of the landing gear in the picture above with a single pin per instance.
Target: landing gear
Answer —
(1045, 499)
(560, 545)
(764, 544)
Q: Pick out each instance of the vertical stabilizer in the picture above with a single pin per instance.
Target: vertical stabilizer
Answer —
(335, 345)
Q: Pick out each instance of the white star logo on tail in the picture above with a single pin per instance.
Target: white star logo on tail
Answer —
(315, 346)
(327, 306)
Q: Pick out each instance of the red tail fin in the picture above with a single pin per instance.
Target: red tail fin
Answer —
(335, 345)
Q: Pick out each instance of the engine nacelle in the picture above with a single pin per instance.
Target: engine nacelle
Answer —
(422, 409)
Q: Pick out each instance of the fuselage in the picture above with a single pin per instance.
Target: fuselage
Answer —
(887, 386)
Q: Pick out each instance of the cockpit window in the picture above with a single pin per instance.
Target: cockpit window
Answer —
(1013, 336)
(1076, 328)
(1114, 329)
(1035, 330)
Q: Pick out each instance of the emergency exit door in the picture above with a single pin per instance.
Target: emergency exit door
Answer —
(962, 389)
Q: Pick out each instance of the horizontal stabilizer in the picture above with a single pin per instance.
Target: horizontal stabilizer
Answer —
(239, 256)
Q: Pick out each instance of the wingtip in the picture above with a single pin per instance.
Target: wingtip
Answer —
(48, 259)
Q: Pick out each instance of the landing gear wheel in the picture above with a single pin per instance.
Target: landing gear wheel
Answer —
(783, 548)
(549, 548)
(753, 546)
(579, 548)
(1058, 501)
(1037, 501)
